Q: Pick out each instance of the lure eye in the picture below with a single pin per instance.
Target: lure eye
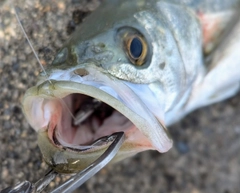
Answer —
(136, 49)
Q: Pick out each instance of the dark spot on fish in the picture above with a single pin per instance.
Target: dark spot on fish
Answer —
(81, 72)
(102, 45)
(162, 65)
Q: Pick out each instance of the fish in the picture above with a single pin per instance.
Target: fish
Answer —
(145, 67)
(211, 133)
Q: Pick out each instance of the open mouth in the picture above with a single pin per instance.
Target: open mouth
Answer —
(80, 113)
(87, 122)
(75, 122)
(76, 114)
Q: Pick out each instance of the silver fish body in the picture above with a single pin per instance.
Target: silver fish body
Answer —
(171, 77)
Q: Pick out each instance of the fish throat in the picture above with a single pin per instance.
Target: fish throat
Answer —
(87, 122)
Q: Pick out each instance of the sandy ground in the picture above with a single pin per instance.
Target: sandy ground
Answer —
(205, 157)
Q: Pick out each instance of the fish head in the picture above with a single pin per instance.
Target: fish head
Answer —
(122, 61)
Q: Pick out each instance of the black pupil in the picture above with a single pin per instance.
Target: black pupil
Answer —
(136, 47)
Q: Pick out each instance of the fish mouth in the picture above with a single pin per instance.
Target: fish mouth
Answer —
(75, 116)
(86, 122)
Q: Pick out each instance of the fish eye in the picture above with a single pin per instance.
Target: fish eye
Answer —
(136, 48)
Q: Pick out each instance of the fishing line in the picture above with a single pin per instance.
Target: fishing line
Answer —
(30, 44)
(64, 104)
(38, 60)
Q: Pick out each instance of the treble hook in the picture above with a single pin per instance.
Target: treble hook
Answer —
(75, 181)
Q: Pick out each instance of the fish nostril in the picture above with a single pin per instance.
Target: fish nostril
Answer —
(81, 72)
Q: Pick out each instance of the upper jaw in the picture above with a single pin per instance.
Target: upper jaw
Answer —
(43, 107)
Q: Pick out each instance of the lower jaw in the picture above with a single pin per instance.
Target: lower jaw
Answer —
(64, 160)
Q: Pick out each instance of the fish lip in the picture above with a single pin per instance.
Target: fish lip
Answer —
(88, 148)
(66, 162)
(55, 142)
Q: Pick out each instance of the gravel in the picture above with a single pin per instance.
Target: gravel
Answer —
(205, 157)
